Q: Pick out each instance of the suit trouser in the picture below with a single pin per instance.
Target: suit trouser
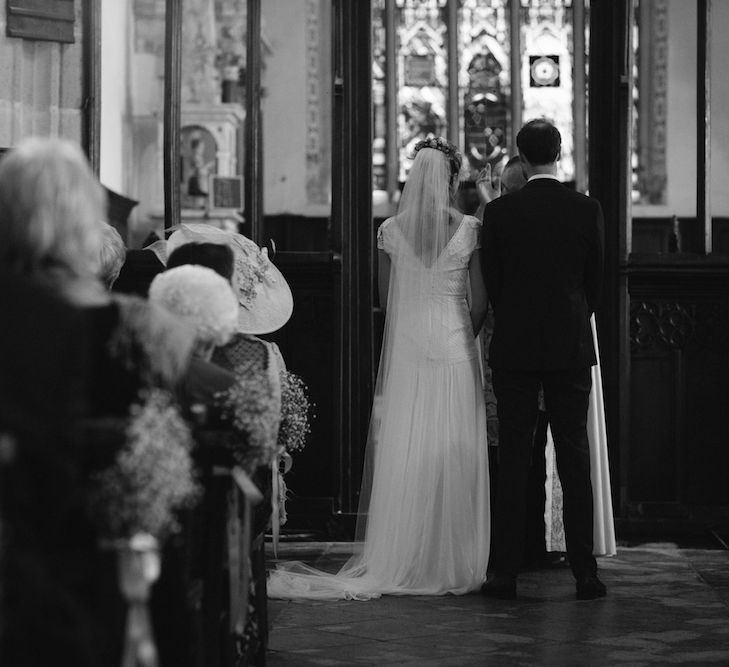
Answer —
(566, 395)
(535, 546)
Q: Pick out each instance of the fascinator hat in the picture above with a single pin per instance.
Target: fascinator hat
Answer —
(199, 297)
(264, 297)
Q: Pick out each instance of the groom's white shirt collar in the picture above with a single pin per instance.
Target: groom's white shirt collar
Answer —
(536, 176)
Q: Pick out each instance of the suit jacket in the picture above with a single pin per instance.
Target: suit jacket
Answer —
(542, 256)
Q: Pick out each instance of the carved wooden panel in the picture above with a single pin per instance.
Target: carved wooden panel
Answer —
(679, 389)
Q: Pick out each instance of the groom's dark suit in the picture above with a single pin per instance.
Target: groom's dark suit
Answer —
(542, 253)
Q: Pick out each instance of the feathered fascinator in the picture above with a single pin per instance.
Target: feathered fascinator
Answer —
(201, 297)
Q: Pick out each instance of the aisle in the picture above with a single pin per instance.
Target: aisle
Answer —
(665, 605)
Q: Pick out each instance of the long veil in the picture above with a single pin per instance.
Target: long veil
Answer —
(415, 240)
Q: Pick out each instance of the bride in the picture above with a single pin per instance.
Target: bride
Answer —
(423, 520)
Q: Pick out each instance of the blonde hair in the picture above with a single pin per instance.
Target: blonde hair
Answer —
(51, 205)
(112, 255)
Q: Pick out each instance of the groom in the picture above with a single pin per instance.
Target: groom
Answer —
(542, 253)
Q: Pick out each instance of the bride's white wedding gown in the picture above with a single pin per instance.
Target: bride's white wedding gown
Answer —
(427, 527)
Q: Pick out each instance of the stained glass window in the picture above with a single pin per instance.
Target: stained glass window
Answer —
(546, 71)
(379, 76)
(489, 103)
(484, 82)
(422, 67)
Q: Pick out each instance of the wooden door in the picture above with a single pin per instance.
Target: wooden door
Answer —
(329, 264)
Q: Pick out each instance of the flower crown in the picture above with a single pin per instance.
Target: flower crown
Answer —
(455, 159)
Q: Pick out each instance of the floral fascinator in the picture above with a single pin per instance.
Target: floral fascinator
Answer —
(201, 298)
(264, 296)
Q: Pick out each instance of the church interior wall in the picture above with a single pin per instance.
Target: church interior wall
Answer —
(680, 131)
(296, 107)
(40, 85)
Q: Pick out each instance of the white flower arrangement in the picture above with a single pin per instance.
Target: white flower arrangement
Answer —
(250, 408)
(295, 413)
(152, 476)
(201, 297)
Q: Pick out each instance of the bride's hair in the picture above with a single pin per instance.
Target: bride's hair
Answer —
(455, 159)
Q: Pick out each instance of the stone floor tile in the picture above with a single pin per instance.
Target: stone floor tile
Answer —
(665, 605)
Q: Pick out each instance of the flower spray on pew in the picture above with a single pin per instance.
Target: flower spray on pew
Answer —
(136, 502)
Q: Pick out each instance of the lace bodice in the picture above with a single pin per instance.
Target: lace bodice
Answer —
(461, 245)
(436, 323)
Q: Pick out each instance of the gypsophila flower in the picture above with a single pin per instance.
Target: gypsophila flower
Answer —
(295, 409)
(251, 409)
(152, 476)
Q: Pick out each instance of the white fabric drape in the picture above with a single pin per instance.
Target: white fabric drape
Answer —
(603, 524)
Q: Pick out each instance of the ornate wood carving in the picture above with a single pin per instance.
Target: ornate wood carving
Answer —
(654, 324)
(678, 325)
(679, 385)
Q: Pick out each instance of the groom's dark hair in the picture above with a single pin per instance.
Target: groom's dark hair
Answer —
(539, 141)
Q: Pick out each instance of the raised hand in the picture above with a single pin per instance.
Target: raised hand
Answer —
(486, 189)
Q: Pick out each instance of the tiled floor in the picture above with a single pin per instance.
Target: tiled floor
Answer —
(666, 605)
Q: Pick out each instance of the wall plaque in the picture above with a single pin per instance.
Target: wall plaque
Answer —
(48, 20)
(226, 193)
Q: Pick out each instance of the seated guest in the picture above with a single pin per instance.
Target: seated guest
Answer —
(51, 208)
(205, 301)
(51, 205)
(265, 302)
(113, 254)
(42, 608)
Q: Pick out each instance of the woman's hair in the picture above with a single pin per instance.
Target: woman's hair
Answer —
(51, 205)
(113, 254)
(220, 258)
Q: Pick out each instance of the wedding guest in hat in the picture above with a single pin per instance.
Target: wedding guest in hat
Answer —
(265, 302)
(204, 301)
